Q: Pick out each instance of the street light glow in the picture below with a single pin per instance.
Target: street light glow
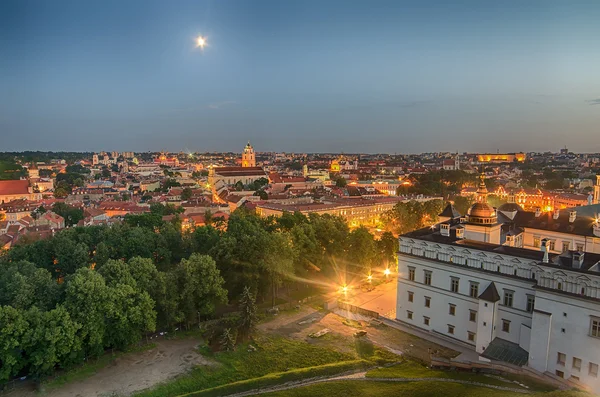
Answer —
(370, 277)
(386, 272)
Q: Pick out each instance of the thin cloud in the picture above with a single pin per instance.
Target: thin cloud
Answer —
(219, 105)
(594, 101)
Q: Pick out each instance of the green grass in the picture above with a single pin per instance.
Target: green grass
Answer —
(282, 377)
(416, 389)
(90, 368)
(410, 369)
(274, 355)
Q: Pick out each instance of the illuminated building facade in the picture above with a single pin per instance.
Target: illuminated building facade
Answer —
(248, 156)
(529, 295)
(501, 157)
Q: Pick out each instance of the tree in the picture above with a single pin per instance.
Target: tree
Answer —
(13, 327)
(69, 255)
(200, 287)
(248, 318)
(462, 204)
(186, 194)
(227, 340)
(340, 182)
(50, 339)
(71, 214)
(361, 248)
(87, 301)
(387, 247)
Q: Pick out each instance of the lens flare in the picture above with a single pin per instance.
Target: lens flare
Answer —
(200, 42)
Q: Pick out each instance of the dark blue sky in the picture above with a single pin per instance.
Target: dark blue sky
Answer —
(368, 76)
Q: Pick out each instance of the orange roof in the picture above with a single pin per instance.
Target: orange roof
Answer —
(14, 187)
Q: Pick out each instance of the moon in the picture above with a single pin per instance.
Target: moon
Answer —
(200, 42)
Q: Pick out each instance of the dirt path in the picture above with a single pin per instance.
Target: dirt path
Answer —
(136, 371)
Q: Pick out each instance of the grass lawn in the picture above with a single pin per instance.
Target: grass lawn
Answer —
(275, 355)
(411, 369)
(90, 368)
(416, 389)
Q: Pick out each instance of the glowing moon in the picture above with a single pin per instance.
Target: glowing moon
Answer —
(200, 42)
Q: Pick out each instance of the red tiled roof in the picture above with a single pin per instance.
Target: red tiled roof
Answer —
(14, 187)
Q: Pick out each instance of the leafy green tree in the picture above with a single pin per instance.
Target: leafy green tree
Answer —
(71, 214)
(51, 339)
(101, 254)
(204, 238)
(200, 287)
(308, 252)
(462, 204)
(387, 247)
(361, 250)
(87, 301)
(340, 182)
(13, 327)
(186, 194)
(130, 314)
(248, 317)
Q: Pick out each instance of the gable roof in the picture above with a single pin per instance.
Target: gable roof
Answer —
(14, 187)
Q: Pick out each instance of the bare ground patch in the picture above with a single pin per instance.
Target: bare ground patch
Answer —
(136, 371)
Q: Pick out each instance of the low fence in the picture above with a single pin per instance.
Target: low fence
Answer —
(357, 310)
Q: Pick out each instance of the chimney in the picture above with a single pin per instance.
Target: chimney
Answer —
(538, 212)
(544, 248)
(578, 258)
(556, 213)
(572, 216)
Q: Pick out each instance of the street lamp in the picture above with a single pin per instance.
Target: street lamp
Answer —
(370, 277)
(387, 272)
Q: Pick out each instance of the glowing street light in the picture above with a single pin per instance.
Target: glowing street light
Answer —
(387, 272)
(370, 277)
(200, 42)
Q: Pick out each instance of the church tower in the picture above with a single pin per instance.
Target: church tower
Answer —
(33, 171)
(597, 190)
(248, 158)
(457, 162)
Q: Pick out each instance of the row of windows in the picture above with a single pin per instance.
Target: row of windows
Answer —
(451, 306)
(473, 289)
(426, 321)
(576, 365)
(566, 245)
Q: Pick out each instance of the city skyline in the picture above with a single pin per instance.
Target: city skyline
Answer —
(300, 77)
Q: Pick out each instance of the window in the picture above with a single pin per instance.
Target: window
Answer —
(530, 303)
(565, 246)
(411, 296)
(474, 290)
(425, 320)
(471, 336)
(505, 325)
(560, 374)
(559, 286)
(409, 314)
(411, 273)
(427, 301)
(576, 363)
(427, 277)
(561, 358)
(454, 284)
(551, 245)
(593, 370)
(579, 247)
(595, 327)
(508, 298)
(452, 309)
(536, 241)
(472, 316)
(451, 329)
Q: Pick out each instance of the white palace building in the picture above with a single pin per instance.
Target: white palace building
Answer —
(516, 286)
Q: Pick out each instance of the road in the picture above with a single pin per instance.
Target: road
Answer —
(381, 300)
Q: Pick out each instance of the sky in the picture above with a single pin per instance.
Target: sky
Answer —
(300, 75)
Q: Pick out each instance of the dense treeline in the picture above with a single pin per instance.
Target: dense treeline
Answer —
(70, 297)
(408, 216)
